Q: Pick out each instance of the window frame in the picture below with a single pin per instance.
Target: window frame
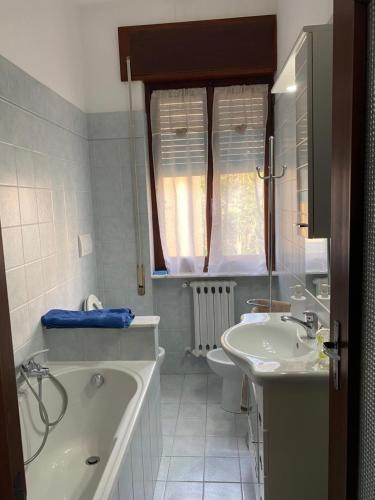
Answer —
(159, 262)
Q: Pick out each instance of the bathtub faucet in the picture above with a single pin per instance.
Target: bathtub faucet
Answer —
(34, 369)
(30, 368)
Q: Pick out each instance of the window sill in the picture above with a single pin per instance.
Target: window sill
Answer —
(210, 276)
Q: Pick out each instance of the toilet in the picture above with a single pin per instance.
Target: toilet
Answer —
(92, 302)
(232, 377)
(161, 356)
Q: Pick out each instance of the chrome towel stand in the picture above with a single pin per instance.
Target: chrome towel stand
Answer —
(271, 179)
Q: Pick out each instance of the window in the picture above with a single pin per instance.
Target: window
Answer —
(180, 158)
(238, 145)
(208, 202)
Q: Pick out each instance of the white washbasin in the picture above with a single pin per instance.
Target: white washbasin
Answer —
(266, 348)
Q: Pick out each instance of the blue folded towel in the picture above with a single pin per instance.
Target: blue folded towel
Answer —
(160, 273)
(100, 318)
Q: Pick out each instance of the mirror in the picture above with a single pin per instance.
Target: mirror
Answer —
(317, 272)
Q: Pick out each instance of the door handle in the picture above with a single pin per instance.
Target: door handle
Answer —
(331, 349)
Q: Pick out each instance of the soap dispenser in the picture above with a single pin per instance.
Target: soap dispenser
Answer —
(298, 293)
(324, 292)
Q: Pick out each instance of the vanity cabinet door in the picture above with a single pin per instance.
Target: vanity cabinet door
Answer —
(253, 415)
(260, 415)
(263, 459)
(254, 455)
(253, 438)
(261, 463)
(302, 145)
(256, 431)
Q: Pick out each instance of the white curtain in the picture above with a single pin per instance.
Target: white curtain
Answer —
(179, 145)
(239, 134)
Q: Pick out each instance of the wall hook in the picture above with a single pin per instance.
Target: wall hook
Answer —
(263, 177)
(284, 167)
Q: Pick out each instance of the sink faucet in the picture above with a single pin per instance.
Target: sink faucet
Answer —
(34, 369)
(310, 324)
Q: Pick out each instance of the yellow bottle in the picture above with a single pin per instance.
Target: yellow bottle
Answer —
(322, 335)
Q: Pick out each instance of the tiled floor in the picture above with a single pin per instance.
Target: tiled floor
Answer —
(205, 454)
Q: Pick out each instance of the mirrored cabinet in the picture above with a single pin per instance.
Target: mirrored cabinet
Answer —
(313, 81)
(308, 75)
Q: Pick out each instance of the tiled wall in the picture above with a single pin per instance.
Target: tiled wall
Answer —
(100, 344)
(113, 209)
(45, 202)
(290, 246)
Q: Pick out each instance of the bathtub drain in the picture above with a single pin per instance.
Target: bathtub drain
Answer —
(92, 460)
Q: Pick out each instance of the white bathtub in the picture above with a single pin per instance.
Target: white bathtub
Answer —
(99, 421)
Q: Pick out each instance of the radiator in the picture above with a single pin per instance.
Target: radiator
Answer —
(213, 313)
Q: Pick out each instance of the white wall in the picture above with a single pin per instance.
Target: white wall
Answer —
(104, 90)
(43, 38)
(292, 15)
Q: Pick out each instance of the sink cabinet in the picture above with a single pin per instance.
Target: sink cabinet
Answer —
(288, 406)
(288, 440)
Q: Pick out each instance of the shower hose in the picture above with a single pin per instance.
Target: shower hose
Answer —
(42, 409)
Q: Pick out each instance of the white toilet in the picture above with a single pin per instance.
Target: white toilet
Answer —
(92, 302)
(232, 376)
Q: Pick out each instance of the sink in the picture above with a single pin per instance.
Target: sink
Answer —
(266, 348)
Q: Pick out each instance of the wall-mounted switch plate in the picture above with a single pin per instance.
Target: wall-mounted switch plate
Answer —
(84, 244)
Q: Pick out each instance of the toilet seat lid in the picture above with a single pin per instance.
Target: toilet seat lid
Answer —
(92, 302)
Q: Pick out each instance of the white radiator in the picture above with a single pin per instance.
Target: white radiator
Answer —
(213, 313)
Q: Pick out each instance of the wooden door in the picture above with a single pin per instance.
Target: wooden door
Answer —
(349, 105)
(12, 475)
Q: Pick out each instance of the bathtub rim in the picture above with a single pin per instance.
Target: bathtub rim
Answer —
(142, 372)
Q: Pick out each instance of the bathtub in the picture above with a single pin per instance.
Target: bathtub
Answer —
(99, 422)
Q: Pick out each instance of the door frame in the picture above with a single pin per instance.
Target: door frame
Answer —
(12, 471)
(349, 126)
(348, 160)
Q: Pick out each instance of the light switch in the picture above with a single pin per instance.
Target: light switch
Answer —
(84, 244)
